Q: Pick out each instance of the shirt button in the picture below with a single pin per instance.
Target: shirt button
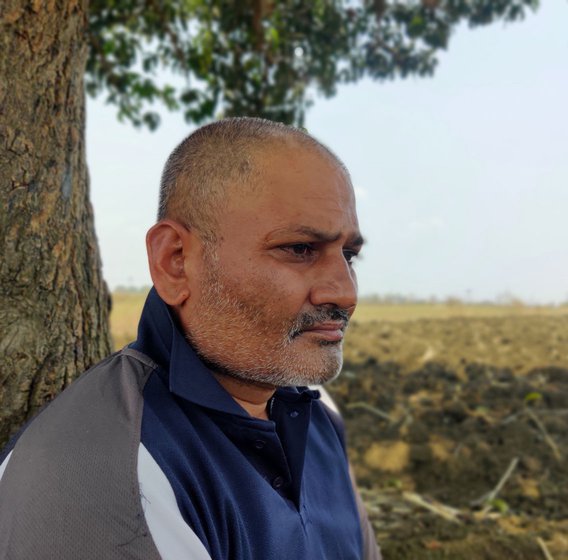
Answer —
(259, 443)
(278, 482)
(294, 414)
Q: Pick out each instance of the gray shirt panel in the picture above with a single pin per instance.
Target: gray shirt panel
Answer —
(70, 489)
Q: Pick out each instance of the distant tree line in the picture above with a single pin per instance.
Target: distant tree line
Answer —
(503, 299)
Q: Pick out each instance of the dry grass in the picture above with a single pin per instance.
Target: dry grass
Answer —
(368, 312)
(124, 317)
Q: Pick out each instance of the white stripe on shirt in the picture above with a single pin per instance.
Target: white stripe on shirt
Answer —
(4, 464)
(172, 536)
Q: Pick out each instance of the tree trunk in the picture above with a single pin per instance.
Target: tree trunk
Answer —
(53, 301)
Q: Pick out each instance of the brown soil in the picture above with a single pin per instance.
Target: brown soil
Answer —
(442, 439)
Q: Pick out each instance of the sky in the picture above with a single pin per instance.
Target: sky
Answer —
(461, 179)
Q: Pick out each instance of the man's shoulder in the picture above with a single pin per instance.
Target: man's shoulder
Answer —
(83, 445)
(108, 389)
(126, 365)
(126, 371)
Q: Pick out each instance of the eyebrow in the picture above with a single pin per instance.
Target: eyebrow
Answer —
(319, 235)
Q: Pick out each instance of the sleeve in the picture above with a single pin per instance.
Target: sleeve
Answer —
(371, 550)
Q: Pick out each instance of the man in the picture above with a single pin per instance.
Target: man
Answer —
(201, 440)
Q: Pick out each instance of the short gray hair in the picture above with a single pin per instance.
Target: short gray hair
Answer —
(198, 171)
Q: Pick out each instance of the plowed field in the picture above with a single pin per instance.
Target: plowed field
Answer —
(456, 420)
(457, 433)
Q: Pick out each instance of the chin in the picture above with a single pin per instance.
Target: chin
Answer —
(281, 375)
(281, 367)
(304, 376)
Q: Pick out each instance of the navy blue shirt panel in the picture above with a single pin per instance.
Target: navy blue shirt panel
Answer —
(249, 488)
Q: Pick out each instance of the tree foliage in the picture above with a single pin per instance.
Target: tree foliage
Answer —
(265, 57)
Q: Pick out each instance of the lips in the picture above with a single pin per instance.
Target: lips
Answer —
(331, 331)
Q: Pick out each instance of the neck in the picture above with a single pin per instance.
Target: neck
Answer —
(252, 397)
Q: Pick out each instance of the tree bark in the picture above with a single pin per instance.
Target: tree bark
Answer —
(53, 301)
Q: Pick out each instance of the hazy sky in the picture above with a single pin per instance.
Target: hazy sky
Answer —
(461, 179)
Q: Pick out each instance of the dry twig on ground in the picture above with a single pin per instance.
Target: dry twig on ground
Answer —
(544, 549)
(369, 408)
(490, 496)
(446, 512)
(551, 443)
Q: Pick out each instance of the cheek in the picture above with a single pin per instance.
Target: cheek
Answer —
(266, 283)
(283, 289)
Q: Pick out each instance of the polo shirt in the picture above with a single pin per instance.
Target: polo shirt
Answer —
(212, 481)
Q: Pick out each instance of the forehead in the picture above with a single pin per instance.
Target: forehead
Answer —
(295, 185)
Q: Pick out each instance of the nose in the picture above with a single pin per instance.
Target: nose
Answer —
(335, 284)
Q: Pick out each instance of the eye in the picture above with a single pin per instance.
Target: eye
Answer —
(299, 249)
(350, 256)
(299, 252)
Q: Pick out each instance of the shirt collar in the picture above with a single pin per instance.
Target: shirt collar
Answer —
(160, 338)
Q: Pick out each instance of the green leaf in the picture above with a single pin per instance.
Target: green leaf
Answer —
(532, 397)
(238, 57)
(500, 505)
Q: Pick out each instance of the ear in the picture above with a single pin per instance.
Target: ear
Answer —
(170, 245)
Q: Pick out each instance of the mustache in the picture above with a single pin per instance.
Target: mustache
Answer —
(307, 320)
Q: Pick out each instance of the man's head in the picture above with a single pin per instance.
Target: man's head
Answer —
(219, 160)
(253, 250)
